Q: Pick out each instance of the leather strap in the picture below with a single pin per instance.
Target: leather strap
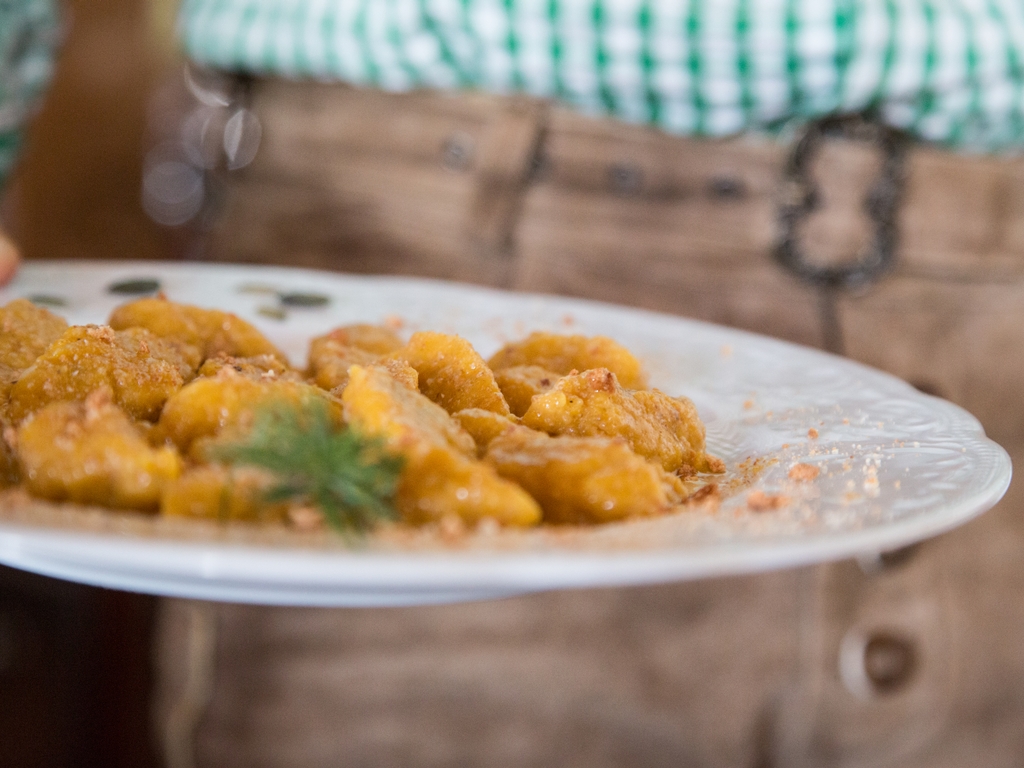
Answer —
(509, 146)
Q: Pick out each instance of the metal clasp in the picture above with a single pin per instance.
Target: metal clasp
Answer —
(800, 196)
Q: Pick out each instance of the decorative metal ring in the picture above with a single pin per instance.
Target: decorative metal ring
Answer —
(800, 196)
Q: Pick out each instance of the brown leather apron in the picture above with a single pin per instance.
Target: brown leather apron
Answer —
(913, 658)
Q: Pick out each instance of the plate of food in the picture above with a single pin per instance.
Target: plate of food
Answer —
(293, 437)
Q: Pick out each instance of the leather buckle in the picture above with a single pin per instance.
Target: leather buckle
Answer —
(801, 196)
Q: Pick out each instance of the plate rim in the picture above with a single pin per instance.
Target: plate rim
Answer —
(17, 540)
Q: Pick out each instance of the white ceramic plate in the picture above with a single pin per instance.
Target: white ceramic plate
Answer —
(896, 466)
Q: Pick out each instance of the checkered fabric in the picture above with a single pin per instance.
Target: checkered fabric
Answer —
(948, 71)
(28, 36)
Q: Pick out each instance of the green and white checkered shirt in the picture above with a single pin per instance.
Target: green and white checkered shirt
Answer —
(28, 36)
(948, 71)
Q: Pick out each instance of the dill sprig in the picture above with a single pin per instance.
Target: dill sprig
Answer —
(351, 477)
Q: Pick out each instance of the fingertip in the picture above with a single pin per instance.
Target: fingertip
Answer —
(10, 259)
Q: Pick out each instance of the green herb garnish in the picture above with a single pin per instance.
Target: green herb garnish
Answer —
(351, 477)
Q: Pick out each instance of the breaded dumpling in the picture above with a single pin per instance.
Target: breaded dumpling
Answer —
(261, 367)
(452, 373)
(331, 355)
(583, 479)
(140, 369)
(519, 383)
(212, 331)
(483, 425)
(228, 401)
(329, 363)
(664, 429)
(378, 404)
(564, 354)
(215, 492)
(26, 331)
(439, 477)
(438, 482)
(92, 453)
(370, 338)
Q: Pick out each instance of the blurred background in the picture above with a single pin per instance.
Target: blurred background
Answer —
(135, 156)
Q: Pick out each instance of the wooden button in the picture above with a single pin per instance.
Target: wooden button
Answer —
(877, 663)
(889, 662)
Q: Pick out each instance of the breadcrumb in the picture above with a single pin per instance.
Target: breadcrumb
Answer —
(759, 501)
(803, 472)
